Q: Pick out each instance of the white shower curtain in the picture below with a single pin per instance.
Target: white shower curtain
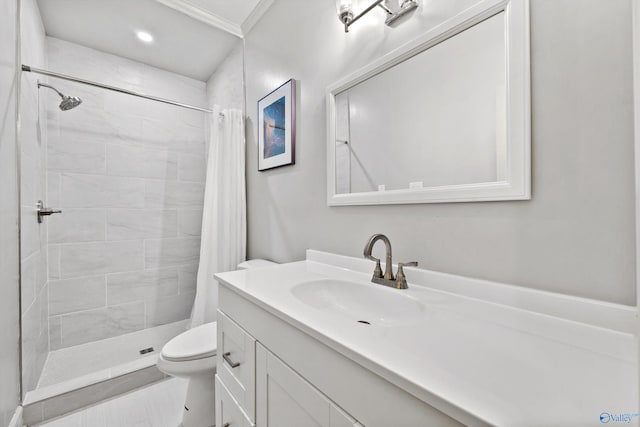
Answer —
(224, 224)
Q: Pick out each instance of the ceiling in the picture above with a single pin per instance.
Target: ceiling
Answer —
(191, 37)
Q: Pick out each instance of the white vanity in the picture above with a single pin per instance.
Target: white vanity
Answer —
(316, 343)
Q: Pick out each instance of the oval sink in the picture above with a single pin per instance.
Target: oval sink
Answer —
(362, 302)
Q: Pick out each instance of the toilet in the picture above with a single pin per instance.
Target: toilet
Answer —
(192, 355)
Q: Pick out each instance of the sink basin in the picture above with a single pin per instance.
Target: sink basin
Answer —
(365, 302)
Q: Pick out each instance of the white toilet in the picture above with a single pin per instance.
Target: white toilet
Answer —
(192, 355)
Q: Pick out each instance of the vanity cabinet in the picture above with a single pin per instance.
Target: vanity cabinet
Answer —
(228, 411)
(284, 398)
(236, 363)
(271, 373)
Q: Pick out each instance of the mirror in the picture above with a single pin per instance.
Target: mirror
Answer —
(444, 118)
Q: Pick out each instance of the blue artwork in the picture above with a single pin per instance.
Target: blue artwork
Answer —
(274, 129)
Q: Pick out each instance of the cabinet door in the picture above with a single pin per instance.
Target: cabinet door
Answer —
(285, 399)
(236, 363)
(228, 412)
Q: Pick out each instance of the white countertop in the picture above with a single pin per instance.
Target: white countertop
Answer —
(488, 362)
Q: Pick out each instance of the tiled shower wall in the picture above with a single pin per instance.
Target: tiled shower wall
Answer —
(33, 241)
(129, 175)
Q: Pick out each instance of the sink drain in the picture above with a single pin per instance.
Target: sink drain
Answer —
(364, 322)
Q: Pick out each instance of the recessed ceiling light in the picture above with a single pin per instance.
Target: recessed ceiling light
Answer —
(145, 37)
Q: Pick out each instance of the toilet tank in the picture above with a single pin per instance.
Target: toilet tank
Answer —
(211, 305)
(255, 263)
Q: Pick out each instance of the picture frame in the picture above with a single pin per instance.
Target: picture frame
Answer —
(277, 127)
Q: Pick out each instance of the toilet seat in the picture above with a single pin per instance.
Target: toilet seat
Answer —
(194, 344)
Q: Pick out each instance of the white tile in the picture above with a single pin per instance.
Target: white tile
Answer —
(192, 168)
(174, 136)
(158, 405)
(137, 107)
(87, 124)
(30, 231)
(75, 156)
(34, 277)
(95, 393)
(174, 86)
(94, 191)
(160, 194)
(70, 58)
(53, 261)
(116, 355)
(51, 385)
(55, 333)
(86, 326)
(167, 252)
(83, 293)
(141, 162)
(75, 225)
(53, 189)
(189, 222)
(141, 362)
(141, 285)
(126, 224)
(34, 341)
(187, 277)
(84, 259)
(169, 309)
(31, 180)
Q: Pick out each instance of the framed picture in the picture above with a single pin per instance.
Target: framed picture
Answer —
(277, 127)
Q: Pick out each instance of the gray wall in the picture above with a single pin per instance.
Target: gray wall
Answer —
(576, 236)
(225, 86)
(128, 174)
(9, 294)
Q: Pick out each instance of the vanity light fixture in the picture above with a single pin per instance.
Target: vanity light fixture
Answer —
(347, 16)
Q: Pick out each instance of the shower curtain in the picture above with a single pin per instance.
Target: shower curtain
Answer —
(224, 224)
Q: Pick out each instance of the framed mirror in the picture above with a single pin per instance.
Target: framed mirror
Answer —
(444, 118)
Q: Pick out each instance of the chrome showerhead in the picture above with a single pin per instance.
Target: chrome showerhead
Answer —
(68, 102)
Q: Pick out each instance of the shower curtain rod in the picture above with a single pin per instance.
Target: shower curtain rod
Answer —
(113, 88)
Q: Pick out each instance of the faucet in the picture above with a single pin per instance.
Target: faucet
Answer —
(399, 282)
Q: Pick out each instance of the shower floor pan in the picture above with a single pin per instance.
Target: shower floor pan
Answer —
(80, 376)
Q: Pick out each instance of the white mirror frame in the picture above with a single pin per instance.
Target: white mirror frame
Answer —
(517, 185)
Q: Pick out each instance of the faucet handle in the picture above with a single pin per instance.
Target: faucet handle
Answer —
(401, 279)
(377, 273)
(407, 264)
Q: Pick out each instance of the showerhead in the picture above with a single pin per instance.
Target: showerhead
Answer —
(68, 102)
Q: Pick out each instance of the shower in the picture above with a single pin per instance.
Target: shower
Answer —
(68, 102)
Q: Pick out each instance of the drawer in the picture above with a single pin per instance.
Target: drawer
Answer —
(236, 360)
(228, 412)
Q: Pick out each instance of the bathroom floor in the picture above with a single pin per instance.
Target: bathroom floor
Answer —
(158, 405)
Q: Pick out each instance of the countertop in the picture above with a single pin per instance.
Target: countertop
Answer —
(489, 362)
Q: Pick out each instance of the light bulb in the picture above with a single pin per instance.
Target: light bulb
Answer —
(144, 36)
(345, 11)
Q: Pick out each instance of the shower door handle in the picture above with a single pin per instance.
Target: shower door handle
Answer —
(42, 211)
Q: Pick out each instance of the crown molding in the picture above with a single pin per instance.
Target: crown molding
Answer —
(204, 16)
(255, 15)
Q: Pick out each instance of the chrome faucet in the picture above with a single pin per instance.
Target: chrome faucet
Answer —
(399, 282)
